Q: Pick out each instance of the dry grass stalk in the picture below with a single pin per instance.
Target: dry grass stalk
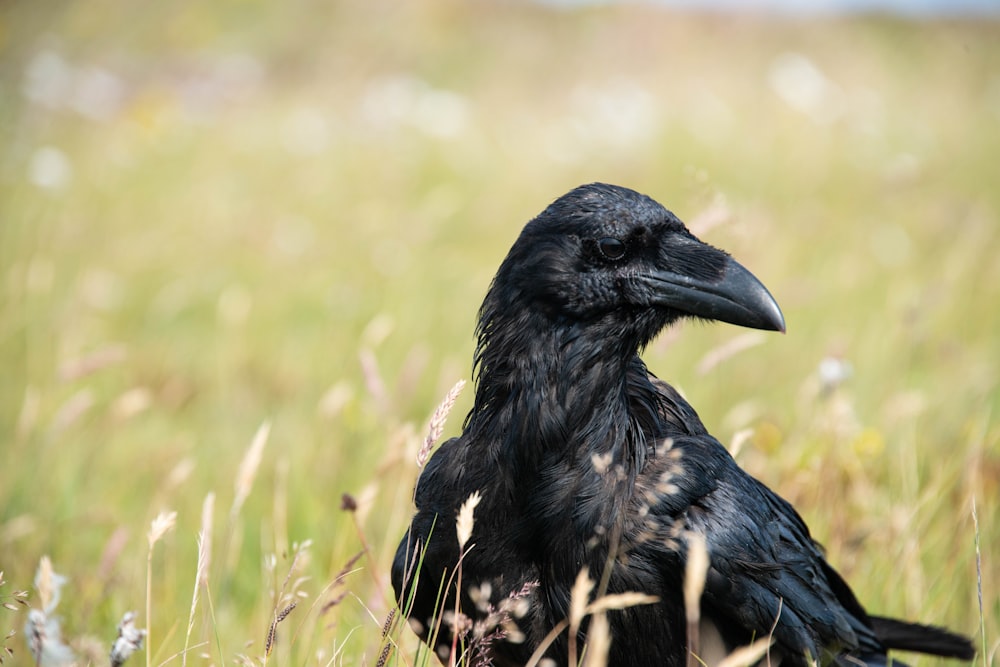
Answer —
(365, 501)
(740, 438)
(163, 522)
(248, 467)
(282, 470)
(285, 598)
(112, 552)
(337, 596)
(499, 622)
(132, 402)
(579, 597)
(300, 558)
(466, 519)
(88, 364)
(438, 419)
(599, 632)
(715, 214)
(598, 642)
(747, 655)
(464, 524)
(75, 407)
(8, 652)
(245, 476)
(359, 511)
(373, 378)
(600, 605)
(619, 601)
(730, 348)
(979, 583)
(179, 473)
(694, 585)
(387, 645)
(205, 538)
(333, 401)
(27, 418)
(204, 560)
(15, 602)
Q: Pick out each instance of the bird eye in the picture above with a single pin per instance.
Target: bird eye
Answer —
(611, 248)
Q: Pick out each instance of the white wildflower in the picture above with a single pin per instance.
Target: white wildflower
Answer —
(129, 640)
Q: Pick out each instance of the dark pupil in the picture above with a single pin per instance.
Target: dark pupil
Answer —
(611, 248)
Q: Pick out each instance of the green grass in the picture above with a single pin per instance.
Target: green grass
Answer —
(277, 193)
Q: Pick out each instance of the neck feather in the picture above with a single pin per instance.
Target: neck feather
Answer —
(561, 393)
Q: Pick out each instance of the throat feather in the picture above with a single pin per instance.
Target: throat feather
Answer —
(564, 401)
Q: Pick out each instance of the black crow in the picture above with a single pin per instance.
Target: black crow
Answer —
(581, 459)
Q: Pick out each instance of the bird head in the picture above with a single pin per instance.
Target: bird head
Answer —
(607, 256)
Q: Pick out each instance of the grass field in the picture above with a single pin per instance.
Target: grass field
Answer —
(222, 215)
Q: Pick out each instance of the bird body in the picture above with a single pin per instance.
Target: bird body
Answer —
(582, 460)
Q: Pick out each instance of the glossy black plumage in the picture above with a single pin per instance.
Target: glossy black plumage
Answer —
(583, 459)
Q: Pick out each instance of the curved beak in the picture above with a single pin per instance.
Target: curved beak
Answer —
(736, 297)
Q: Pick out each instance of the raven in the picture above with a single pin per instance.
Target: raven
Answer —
(577, 458)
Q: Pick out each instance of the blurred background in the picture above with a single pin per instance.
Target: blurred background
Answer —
(217, 216)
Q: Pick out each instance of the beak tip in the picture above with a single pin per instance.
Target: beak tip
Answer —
(765, 313)
(778, 320)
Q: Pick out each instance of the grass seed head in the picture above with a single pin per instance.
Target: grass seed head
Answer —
(466, 519)
(48, 584)
(579, 597)
(694, 575)
(438, 420)
(205, 539)
(248, 466)
(160, 526)
(272, 630)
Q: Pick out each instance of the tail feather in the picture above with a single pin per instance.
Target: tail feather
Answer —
(928, 639)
